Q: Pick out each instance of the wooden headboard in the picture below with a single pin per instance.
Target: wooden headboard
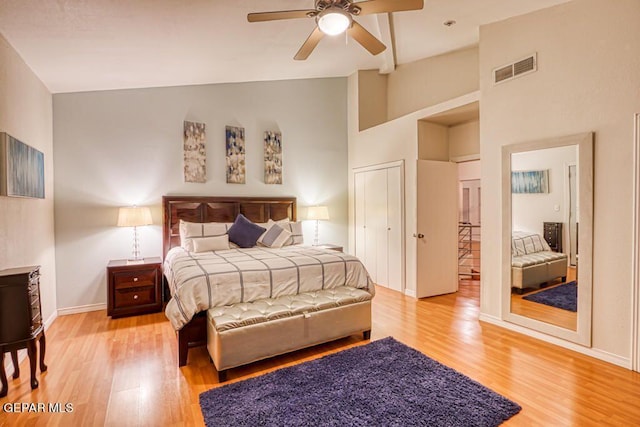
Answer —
(219, 209)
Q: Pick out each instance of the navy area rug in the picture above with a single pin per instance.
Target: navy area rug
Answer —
(563, 296)
(384, 383)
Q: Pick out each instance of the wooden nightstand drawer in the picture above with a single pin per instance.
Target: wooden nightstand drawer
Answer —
(134, 279)
(134, 288)
(135, 296)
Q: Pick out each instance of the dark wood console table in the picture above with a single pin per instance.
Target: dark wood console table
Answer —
(21, 323)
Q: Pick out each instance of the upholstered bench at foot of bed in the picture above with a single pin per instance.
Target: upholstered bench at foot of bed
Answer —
(247, 332)
(537, 268)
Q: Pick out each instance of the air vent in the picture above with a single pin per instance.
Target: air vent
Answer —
(503, 73)
(519, 68)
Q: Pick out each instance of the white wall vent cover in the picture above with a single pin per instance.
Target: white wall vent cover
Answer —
(519, 68)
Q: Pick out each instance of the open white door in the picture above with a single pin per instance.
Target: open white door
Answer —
(437, 228)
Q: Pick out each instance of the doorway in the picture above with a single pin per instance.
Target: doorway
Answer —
(449, 141)
(469, 220)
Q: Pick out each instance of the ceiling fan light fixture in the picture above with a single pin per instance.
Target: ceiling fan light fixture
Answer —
(334, 21)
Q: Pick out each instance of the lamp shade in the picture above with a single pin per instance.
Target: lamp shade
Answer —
(134, 216)
(318, 213)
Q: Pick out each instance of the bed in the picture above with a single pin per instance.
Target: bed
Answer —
(533, 263)
(200, 281)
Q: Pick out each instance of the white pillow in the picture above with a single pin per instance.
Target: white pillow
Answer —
(296, 233)
(295, 228)
(195, 230)
(216, 243)
(275, 236)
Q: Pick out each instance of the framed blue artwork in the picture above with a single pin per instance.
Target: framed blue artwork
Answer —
(530, 181)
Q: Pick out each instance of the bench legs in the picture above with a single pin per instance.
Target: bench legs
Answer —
(222, 376)
(366, 335)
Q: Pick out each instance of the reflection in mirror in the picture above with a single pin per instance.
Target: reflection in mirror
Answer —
(543, 230)
(547, 235)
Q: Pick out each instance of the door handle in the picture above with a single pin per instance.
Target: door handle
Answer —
(419, 235)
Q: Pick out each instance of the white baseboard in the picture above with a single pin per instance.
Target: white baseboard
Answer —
(51, 319)
(410, 293)
(591, 352)
(489, 319)
(612, 358)
(82, 309)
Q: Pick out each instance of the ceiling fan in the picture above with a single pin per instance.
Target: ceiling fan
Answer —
(334, 17)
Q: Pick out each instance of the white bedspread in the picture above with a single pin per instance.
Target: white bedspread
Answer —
(199, 281)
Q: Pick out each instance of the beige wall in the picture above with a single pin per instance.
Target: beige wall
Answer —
(587, 80)
(372, 98)
(433, 141)
(430, 81)
(464, 140)
(117, 148)
(26, 225)
(448, 142)
(415, 86)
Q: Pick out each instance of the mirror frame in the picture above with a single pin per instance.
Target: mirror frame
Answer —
(584, 141)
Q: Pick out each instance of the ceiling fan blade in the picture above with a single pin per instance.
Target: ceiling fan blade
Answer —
(283, 14)
(310, 44)
(366, 39)
(381, 6)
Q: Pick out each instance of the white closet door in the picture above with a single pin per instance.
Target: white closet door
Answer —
(378, 224)
(394, 227)
(375, 217)
(380, 218)
(360, 223)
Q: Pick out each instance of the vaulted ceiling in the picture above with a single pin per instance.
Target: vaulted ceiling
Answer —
(84, 45)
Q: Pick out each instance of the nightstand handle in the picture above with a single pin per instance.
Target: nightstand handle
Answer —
(135, 297)
(135, 279)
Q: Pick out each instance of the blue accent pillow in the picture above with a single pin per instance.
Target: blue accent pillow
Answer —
(245, 233)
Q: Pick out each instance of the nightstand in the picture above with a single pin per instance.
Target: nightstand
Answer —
(134, 289)
(329, 246)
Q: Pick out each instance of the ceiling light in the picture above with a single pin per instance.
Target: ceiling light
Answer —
(333, 21)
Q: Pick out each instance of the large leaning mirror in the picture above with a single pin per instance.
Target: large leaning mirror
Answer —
(547, 194)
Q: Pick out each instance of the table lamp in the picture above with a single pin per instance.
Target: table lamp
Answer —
(317, 213)
(135, 216)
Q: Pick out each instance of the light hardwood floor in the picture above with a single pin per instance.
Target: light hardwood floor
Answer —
(556, 316)
(124, 372)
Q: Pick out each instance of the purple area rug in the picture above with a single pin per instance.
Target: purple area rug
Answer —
(384, 383)
(563, 296)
